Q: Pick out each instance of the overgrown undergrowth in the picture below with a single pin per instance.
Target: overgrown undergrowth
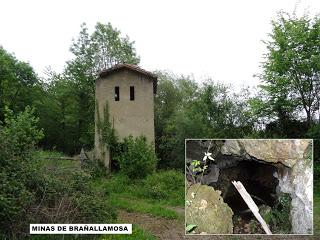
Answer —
(154, 195)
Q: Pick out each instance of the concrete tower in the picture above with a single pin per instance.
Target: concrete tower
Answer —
(129, 92)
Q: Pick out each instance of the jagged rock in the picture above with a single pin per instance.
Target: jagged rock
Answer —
(293, 169)
(206, 209)
(212, 175)
(299, 184)
(232, 147)
(288, 152)
(295, 179)
(285, 151)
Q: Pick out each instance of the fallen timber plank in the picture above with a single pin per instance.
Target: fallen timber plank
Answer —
(252, 205)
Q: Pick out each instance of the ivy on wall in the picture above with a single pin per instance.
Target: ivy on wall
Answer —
(106, 132)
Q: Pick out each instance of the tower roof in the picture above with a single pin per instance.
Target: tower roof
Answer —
(134, 68)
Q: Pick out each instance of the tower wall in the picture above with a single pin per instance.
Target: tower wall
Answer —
(127, 117)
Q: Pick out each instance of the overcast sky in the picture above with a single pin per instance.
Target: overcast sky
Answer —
(214, 38)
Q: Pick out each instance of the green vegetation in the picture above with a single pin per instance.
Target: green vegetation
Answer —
(57, 114)
(142, 206)
(65, 102)
(136, 158)
(19, 85)
(106, 132)
(156, 195)
(17, 140)
(35, 188)
(291, 68)
(278, 217)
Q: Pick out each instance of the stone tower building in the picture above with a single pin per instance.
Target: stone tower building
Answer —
(129, 92)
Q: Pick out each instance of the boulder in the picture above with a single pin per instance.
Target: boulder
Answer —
(205, 209)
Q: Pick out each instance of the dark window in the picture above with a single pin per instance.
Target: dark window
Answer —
(117, 93)
(131, 93)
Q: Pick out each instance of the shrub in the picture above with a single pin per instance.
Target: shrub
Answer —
(164, 185)
(18, 136)
(137, 158)
(96, 168)
(118, 183)
(21, 130)
(279, 217)
(65, 195)
(42, 191)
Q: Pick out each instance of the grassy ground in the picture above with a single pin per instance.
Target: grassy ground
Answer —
(142, 206)
(49, 159)
(156, 195)
(119, 199)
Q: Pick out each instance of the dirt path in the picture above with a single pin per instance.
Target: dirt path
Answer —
(166, 229)
(160, 227)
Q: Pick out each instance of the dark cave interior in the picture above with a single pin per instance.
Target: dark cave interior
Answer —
(256, 176)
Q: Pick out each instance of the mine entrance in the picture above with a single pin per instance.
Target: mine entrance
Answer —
(258, 179)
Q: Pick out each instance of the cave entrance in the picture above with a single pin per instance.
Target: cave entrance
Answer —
(258, 179)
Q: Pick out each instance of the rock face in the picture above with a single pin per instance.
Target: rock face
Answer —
(299, 184)
(291, 159)
(296, 178)
(285, 151)
(206, 209)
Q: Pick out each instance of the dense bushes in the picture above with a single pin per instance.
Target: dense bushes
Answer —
(40, 190)
(65, 195)
(17, 138)
(136, 158)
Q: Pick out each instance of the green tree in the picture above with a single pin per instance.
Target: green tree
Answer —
(72, 92)
(186, 110)
(173, 92)
(58, 115)
(109, 48)
(19, 85)
(291, 67)
(103, 48)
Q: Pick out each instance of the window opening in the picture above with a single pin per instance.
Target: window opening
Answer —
(117, 93)
(131, 93)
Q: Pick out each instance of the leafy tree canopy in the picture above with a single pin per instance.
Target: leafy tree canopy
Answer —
(291, 68)
(18, 83)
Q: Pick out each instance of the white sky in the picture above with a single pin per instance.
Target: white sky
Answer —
(220, 39)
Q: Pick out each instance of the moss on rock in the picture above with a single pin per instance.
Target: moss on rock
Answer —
(206, 209)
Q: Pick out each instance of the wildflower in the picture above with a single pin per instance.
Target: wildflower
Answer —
(193, 194)
(206, 156)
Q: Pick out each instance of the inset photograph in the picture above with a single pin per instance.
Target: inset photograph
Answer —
(249, 186)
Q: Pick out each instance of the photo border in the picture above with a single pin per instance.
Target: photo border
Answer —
(238, 234)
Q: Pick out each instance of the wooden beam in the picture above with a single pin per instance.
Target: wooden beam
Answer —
(252, 205)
